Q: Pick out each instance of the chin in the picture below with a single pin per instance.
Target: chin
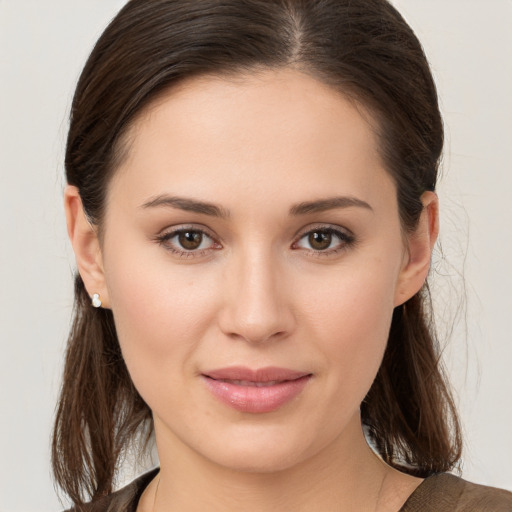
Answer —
(258, 461)
(260, 450)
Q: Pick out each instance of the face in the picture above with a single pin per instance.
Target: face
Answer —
(252, 258)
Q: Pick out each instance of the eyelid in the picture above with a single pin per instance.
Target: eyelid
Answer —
(187, 226)
(324, 227)
(165, 235)
(345, 235)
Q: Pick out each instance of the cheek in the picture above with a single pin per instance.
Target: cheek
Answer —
(358, 325)
(160, 314)
(351, 322)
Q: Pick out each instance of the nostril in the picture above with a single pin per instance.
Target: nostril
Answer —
(254, 307)
(254, 336)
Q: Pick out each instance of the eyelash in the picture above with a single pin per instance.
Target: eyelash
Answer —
(165, 240)
(346, 240)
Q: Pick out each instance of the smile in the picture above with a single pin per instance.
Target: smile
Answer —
(255, 391)
(251, 383)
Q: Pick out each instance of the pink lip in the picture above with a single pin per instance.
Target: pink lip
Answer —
(255, 391)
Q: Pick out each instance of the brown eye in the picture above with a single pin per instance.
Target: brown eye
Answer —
(320, 240)
(190, 240)
(326, 241)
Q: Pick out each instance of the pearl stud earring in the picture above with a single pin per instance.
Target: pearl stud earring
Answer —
(96, 302)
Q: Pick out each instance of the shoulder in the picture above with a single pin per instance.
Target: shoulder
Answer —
(445, 492)
(123, 500)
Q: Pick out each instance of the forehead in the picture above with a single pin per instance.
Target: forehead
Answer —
(268, 99)
(254, 132)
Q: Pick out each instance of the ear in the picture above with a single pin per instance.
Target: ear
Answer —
(420, 244)
(86, 246)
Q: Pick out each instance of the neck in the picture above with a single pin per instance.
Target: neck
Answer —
(345, 475)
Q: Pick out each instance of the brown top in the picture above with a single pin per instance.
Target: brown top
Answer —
(438, 493)
(449, 493)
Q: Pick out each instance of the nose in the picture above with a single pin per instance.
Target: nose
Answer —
(256, 306)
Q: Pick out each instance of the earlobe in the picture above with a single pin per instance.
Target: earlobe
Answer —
(84, 239)
(419, 250)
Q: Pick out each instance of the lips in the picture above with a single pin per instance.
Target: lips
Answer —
(255, 391)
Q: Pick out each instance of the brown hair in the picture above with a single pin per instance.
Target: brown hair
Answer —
(367, 51)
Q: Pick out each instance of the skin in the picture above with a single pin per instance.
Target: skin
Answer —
(257, 292)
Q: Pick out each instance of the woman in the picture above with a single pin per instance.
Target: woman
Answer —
(252, 207)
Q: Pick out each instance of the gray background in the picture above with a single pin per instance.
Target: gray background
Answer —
(43, 46)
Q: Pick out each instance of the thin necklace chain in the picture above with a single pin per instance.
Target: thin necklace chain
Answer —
(158, 485)
(156, 493)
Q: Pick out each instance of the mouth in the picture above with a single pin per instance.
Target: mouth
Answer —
(255, 391)
(251, 383)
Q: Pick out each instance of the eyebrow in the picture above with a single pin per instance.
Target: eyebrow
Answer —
(188, 205)
(329, 203)
(213, 210)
